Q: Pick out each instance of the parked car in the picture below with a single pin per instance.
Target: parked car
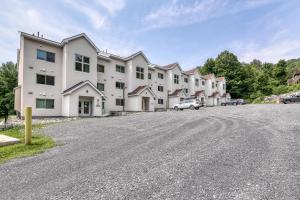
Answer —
(232, 102)
(292, 99)
(241, 101)
(188, 104)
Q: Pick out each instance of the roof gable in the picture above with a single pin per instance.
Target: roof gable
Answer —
(79, 85)
(137, 91)
(171, 66)
(81, 35)
(63, 42)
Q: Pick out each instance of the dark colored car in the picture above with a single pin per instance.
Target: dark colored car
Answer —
(234, 102)
(292, 99)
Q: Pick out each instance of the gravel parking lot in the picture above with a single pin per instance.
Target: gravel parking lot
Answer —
(243, 152)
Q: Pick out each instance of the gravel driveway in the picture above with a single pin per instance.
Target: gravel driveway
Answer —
(243, 152)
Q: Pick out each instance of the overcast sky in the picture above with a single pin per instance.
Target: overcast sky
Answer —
(167, 31)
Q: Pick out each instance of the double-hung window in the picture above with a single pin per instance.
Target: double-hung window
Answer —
(139, 73)
(82, 63)
(45, 79)
(203, 83)
(176, 79)
(45, 103)
(120, 85)
(160, 101)
(149, 75)
(120, 68)
(120, 102)
(197, 82)
(186, 80)
(45, 55)
(213, 84)
(100, 68)
(160, 88)
(100, 86)
(160, 75)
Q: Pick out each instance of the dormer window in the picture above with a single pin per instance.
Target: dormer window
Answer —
(82, 63)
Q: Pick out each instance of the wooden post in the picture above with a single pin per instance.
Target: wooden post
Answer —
(28, 125)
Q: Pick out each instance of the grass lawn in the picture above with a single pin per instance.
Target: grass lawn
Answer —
(40, 143)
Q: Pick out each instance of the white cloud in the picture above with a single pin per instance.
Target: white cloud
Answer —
(178, 13)
(55, 23)
(272, 51)
(96, 19)
(112, 5)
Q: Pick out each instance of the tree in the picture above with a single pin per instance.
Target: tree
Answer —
(279, 72)
(208, 67)
(8, 81)
(228, 65)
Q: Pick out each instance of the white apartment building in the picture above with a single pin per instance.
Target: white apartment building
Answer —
(74, 78)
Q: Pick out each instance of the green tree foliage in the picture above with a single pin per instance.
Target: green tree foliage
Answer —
(254, 80)
(8, 81)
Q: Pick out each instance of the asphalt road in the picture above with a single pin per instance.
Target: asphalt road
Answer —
(243, 152)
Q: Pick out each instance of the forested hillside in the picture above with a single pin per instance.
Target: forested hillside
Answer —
(252, 81)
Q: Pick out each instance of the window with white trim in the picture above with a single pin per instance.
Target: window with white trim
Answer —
(160, 88)
(45, 103)
(45, 79)
(139, 73)
(160, 101)
(176, 79)
(82, 63)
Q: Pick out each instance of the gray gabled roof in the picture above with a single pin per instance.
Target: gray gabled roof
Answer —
(63, 42)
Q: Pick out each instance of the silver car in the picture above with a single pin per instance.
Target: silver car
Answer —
(188, 104)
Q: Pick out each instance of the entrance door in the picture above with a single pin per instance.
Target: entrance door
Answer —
(84, 108)
(145, 103)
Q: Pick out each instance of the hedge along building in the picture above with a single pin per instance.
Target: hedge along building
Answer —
(74, 78)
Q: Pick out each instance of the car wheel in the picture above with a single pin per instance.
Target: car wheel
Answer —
(176, 108)
(197, 108)
(286, 102)
(181, 109)
(192, 107)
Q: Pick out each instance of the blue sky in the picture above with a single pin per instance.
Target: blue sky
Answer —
(167, 31)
